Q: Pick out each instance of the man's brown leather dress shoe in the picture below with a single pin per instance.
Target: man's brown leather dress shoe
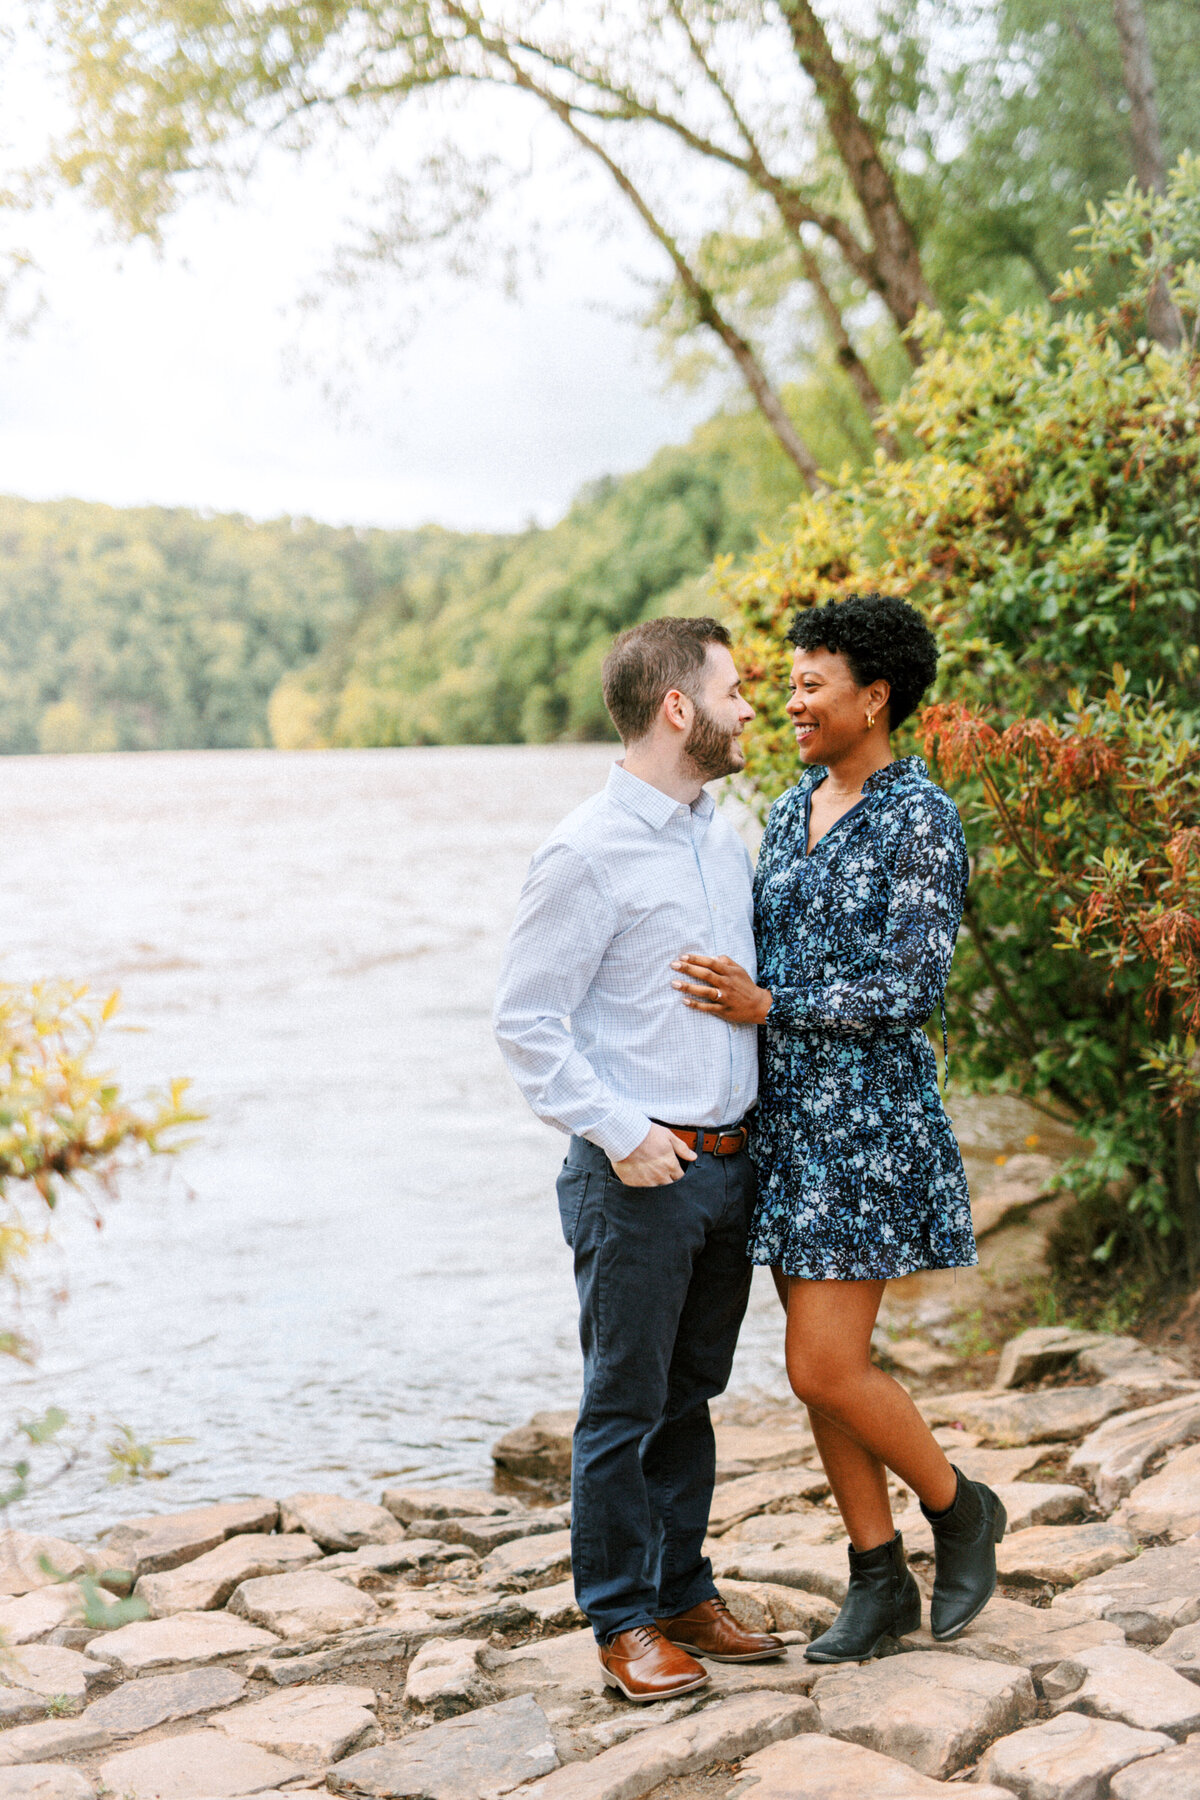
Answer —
(644, 1666)
(711, 1630)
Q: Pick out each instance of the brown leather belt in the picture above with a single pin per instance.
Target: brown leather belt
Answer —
(717, 1143)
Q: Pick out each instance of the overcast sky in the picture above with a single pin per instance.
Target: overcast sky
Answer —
(189, 377)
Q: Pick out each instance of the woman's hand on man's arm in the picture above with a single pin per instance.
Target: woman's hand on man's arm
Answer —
(717, 984)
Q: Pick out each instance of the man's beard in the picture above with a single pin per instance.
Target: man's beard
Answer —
(712, 749)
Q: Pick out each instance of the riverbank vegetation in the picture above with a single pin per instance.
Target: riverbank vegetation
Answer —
(1049, 524)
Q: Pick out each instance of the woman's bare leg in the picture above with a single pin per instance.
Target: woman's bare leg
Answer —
(863, 1421)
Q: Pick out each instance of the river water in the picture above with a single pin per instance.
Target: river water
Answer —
(355, 1273)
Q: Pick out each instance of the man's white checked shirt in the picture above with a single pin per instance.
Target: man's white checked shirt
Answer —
(598, 1040)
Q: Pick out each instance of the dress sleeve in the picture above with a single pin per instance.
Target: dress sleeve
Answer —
(912, 964)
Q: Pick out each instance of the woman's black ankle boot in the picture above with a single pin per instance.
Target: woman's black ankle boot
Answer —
(964, 1546)
(883, 1601)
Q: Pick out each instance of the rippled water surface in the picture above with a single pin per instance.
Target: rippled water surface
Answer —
(356, 1272)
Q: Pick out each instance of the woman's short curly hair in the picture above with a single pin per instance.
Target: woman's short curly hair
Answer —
(882, 638)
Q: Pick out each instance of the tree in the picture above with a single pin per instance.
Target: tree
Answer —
(1041, 121)
(1049, 527)
(167, 88)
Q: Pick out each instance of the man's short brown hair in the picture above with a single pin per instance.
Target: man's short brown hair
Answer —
(650, 659)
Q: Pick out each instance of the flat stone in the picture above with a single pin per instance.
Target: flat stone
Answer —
(1132, 1365)
(337, 1523)
(50, 1669)
(827, 1768)
(1175, 1775)
(21, 1554)
(538, 1451)
(1148, 1598)
(1040, 1502)
(1054, 1414)
(554, 1607)
(184, 1638)
(36, 1614)
(1002, 1468)
(198, 1763)
(1045, 1350)
(767, 1606)
(533, 1561)
(303, 1605)
(207, 1583)
(918, 1358)
(20, 1706)
(589, 1740)
(50, 1739)
(445, 1678)
(774, 1491)
(1033, 1637)
(485, 1753)
(565, 1671)
(719, 1734)
(1114, 1457)
(310, 1726)
(1167, 1504)
(161, 1541)
(1019, 1184)
(1181, 1652)
(933, 1711)
(486, 1535)
(819, 1568)
(139, 1706)
(807, 1525)
(1119, 1682)
(1063, 1554)
(751, 1449)
(407, 1504)
(1068, 1758)
(393, 1559)
(46, 1781)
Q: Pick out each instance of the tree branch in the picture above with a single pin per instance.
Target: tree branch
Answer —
(901, 280)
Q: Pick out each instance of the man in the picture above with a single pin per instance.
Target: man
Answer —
(656, 1191)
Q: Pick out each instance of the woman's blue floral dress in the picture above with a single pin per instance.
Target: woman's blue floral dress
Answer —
(859, 1173)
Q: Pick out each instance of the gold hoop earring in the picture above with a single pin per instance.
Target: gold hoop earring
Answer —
(870, 721)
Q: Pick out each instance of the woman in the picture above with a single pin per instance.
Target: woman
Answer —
(858, 897)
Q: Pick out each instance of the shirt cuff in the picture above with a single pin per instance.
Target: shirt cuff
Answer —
(620, 1133)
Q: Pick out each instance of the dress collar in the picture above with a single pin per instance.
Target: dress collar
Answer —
(895, 771)
(650, 803)
(898, 770)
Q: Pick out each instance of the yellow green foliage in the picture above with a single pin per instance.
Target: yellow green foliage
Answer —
(62, 1118)
(1049, 527)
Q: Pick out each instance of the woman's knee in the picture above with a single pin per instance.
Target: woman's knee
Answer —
(822, 1379)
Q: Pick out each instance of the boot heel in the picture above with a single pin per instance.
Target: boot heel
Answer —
(1001, 1525)
(910, 1612)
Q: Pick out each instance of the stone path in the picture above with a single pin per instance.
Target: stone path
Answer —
(429, 1647)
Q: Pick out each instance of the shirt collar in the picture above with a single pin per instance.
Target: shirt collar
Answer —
(650, 803)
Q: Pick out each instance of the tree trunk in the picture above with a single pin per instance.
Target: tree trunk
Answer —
(1149, 163)
(847, 356)
(709, 313)
(897, 259)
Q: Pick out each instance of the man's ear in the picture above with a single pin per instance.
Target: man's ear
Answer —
(678, 708)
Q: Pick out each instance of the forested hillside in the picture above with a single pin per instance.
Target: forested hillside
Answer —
(156, 628)
(500, 640)
(163, 629)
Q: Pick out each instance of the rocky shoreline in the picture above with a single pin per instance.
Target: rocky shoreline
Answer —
(429, 1648)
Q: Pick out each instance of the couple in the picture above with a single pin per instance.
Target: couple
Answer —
(648, 971)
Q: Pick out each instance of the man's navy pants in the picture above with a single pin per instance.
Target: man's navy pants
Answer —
(663, 1279)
